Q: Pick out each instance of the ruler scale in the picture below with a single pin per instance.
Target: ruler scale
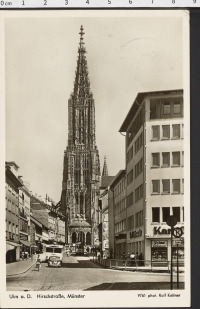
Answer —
(45, 4)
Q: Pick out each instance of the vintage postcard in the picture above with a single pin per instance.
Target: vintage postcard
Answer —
(95, 123)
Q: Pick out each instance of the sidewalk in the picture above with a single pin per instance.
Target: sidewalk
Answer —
(20, 267)
(147, 268)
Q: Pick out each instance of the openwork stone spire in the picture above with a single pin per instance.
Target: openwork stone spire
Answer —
(105, 168)
(80, 186)
(82, 83)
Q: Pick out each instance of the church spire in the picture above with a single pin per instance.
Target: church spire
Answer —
(105, 169)
(82, 83)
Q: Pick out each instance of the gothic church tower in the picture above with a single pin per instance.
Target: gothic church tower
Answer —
(80, 186)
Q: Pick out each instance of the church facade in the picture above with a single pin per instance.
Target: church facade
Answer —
(81, 170)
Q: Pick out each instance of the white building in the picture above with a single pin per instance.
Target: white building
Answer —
(154, 129)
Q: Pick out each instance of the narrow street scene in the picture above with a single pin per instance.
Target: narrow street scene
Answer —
(97, 134)
(81, 273)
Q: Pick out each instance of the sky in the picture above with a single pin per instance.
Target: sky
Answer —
(126, 54)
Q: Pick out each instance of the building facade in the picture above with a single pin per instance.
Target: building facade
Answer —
(155, 174)
(48, 220)
(117, 205)
(12, 212)
(80, 186)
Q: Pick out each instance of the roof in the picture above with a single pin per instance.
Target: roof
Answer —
(105, 181)
(80, 223)
(36, 221)
(117, 178)
(12, 178)
(138, 100)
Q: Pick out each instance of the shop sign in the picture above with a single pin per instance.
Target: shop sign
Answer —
(23, 237)
(160, 231)
(179, 242)
(159, 243)
(135, 234)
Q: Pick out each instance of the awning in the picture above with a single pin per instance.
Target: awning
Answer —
(12, 243)
(26, 243)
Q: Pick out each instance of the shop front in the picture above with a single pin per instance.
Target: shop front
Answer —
(12, 251)
(158, 246)
(159, 251)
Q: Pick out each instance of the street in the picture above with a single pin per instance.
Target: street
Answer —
(80, 273)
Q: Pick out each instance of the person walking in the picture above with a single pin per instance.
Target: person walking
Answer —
(136, 259)
(132, 257)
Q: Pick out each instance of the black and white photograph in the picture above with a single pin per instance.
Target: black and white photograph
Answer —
(95, 116)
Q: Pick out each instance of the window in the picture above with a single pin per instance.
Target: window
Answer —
(130, 177)
(155, 132)
(138, 167)
(176, 158)
(176, 185)
(165, 213)
(155, 159)
(130, 222)
(139, 218)
(166, 159)
(182, 158)
(130, 154)
(177, 108)
(176, 213)
(166, 132)
(176, 131)
(182, 185)
(138, 193)
(138, 143)
(183, 213)
(155, 186)
(166, 108)
(165, 186)
(155, 214)
(130, 199)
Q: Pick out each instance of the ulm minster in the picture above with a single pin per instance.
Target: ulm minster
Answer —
(107, 218)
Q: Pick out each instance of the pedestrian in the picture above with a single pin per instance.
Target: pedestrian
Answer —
(132, 257)
(140, 259)
(123, 258)
(136, 259)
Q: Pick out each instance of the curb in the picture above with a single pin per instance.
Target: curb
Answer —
(147, 271)
(24, 271)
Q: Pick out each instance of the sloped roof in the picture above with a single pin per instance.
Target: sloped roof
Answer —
(105, 180)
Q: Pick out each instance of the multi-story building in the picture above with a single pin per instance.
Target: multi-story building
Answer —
(24, 218)
(80, 186)
(154, 166)
(104, 211)
(118, 214)
(52, 220)
(12, 212)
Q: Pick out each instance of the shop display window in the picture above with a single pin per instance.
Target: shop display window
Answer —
(159, 254)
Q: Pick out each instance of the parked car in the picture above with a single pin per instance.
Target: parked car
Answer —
(54, 261)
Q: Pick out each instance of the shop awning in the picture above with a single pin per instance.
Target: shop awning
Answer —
(26, 243)
(12, 243)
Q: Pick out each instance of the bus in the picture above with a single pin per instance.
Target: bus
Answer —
(53, 250)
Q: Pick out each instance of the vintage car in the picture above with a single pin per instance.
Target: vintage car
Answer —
(54, 261)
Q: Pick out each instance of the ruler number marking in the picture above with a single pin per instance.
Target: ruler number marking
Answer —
(173, 1)
(130, 1)
(23, 3)
(87, 2)
(109, 1)
(194, 1)
(45, 2)
(66, 2)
